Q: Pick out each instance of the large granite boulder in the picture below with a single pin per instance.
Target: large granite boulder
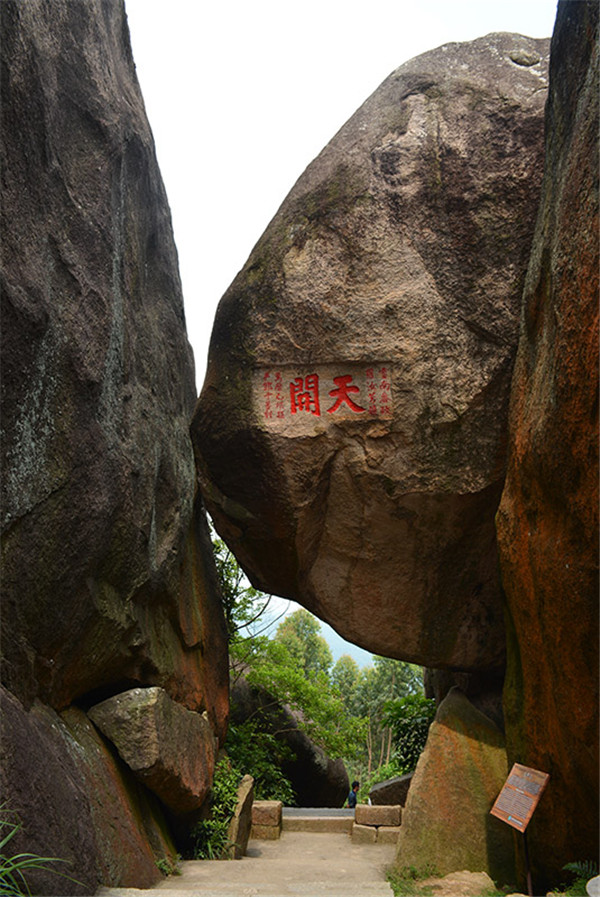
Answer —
(446, 822)
(77, 801)
(351, 431)
(548, 518)
(171, 750)
(97, 376)
(317, 779)
(107, 574)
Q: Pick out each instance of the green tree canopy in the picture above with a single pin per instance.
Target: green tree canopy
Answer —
(386, 680)
(409, 718)
(308, 650)
(344, 678)
(319, 711)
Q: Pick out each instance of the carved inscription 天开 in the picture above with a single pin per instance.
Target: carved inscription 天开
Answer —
(292, 398)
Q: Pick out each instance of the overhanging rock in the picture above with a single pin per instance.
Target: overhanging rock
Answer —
(351, 431)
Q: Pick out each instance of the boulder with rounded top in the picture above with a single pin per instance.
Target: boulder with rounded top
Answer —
(351, 432)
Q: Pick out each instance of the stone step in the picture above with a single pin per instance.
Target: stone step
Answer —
(297, 889)
(317, 820)
(320, 824)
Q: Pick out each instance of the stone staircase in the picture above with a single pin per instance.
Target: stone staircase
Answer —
(366, 824)
(310, 855)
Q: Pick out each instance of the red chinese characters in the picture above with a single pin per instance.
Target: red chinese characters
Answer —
(304, 394)
(379, 392)
(385, 397)
(371, 391)
(366, 392)
(344, 386)
(267, 395)
(279, 396)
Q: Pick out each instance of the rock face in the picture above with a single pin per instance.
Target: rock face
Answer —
(351, 431)
(98, 378)
(171, 750)
(458, 777)
(483, 690)
(77, 801)
(392, 791)
(107, 580)
(318, 780)
(548, 518)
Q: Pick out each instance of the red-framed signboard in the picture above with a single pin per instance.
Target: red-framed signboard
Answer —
(520, 796)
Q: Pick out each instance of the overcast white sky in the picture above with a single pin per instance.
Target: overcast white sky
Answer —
(243, 94)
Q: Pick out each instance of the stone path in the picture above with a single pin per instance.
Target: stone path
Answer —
(299, 864)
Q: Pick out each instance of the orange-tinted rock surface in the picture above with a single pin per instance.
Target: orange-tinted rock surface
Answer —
(446, 822)
(351, 431)
(548, 519)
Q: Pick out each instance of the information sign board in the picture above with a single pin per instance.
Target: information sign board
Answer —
(520, 796)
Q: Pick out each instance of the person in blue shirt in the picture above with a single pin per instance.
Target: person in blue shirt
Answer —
(351, 802)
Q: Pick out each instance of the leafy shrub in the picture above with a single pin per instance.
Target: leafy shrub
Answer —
(409, 719)
(582, 872)
(209, 837)
(260, 754)
(387, 771)
(167, 866)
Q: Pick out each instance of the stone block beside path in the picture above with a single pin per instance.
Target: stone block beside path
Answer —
(389, 815)
(388, 834)
(376, 824)
(266, 820)
(265, 832)
(364, 834)
(267, 812)
(238, 834)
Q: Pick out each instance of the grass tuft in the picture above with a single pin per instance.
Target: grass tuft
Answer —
(14, 868)
(404, 882)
